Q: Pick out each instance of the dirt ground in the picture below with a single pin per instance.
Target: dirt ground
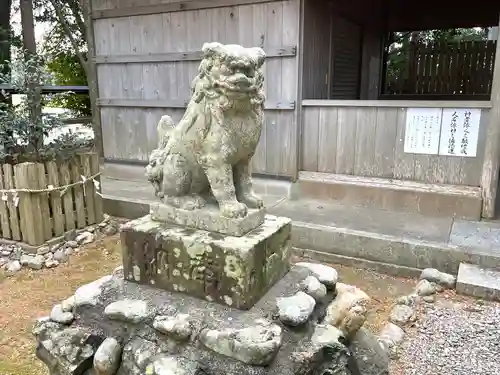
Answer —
(28, 295)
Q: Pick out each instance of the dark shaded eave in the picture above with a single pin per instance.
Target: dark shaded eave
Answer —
(405, 15)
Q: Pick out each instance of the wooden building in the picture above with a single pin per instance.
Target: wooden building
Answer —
(327, 126)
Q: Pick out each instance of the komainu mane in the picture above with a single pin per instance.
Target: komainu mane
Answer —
(209, 151)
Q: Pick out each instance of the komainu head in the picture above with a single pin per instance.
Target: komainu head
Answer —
(232, 71)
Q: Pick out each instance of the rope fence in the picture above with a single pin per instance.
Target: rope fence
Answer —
(40, 201)
(50, 188)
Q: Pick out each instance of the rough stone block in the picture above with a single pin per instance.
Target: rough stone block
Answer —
(208, 218)
(234, 271)
(478, 282)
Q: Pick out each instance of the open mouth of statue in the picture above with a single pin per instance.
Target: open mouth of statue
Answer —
(238, 82)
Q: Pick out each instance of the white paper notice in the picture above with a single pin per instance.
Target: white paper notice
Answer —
(423, 126)
(460, 131)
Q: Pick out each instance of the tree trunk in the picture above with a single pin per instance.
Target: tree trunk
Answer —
(34, 89)
(5, 7)
(91, 72)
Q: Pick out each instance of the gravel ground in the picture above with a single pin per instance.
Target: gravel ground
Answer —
(456, 336)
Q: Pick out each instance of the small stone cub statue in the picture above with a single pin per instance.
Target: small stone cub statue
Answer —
(348, 310)
(208, 152)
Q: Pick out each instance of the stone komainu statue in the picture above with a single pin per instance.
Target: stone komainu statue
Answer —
(209, 151)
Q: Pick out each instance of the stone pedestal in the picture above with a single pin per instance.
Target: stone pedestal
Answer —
(234, 271)
(113, 326)
(208, 218)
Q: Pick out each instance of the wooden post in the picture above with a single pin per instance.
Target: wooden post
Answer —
(30, 207)
(92, 79)
(55, 198)
(98, 205)
(491, 163)
(300, 94)
(10, 183)
(85, 160)
(4, 213)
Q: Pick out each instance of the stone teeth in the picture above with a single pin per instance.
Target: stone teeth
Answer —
(179, 326)
(256, 345)
(127, 310)
(107, 357)
(313, 287)
(295, 310)
(325, 274)
(58, 315)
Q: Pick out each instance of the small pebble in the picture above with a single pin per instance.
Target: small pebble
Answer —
(51, 263)
(36, 263)
(428, 299)
(401, 314)
(425, 288)
(43, 250)
(60, 256)
(84, 238)
(110, 230)
(295, 310)
(443, 279)
(407, 300)
(59, 316)
(313, 287)
(107, 357)
(13, 266)
(72, 244)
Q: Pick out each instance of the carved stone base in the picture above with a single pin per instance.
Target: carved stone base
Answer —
(119, 327)
(208, 218)
(234, 271)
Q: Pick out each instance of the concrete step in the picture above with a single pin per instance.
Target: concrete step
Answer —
(480, 282)
(402, 196)
(387, 241)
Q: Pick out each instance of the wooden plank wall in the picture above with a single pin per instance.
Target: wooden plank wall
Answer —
(369, 142)
(130, 132)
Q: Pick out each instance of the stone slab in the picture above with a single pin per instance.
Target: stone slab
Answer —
(143, 344)
(462, 202)
(479, 282)
(391, 223)
(208, 218)
(482, 235)
(234, 271)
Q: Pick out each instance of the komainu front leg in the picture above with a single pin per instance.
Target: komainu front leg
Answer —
(243, 184)
(220, 177)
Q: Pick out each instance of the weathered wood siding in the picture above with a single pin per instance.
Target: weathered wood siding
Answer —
(369, 141)
(137, 87)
